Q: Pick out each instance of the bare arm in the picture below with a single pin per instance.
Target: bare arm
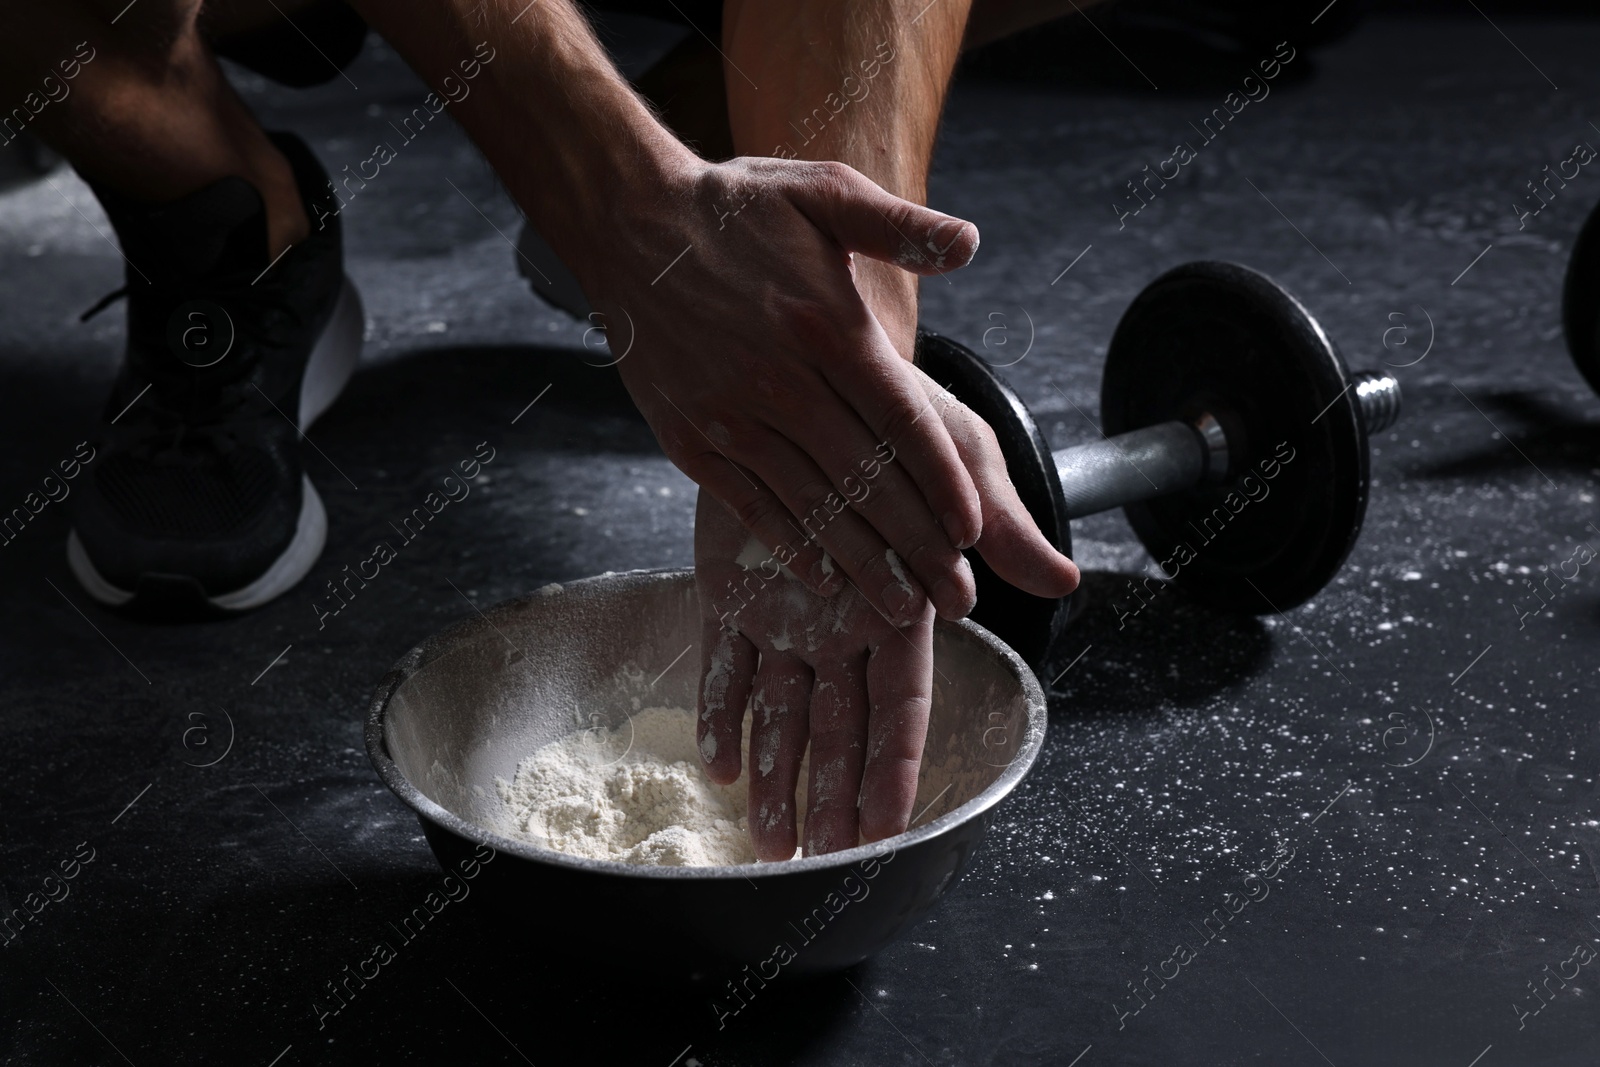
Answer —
(861, 83)
(558, 123)
(756, 360)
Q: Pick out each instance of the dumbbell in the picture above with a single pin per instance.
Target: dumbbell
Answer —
(1580, 301)
(1231, 425)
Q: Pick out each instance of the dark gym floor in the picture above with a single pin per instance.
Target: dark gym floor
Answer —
(1413, 749)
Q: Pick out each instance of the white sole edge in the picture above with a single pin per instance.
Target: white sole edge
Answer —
(83, 570)
(305, 548)
(332, 361)
(334, 357)
(310, 534)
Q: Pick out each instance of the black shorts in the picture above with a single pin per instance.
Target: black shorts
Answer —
(326, 37)
(703, 15)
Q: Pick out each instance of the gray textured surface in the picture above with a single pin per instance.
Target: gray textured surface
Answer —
(1185, 750)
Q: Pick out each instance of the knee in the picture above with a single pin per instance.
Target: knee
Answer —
(150, 25)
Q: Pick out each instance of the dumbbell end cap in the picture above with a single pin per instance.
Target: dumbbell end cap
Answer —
(1378, 397)
(1226, 340)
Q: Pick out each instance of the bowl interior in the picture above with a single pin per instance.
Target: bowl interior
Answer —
(483, 695)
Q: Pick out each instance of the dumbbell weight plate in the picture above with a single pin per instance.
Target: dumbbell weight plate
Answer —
(1027, 623)
(1223, 339)
(1580, 301)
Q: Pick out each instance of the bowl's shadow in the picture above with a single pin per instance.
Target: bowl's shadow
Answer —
(463, 988)
(629, 1015)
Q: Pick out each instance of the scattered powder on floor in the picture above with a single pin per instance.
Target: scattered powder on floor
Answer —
(636, 794)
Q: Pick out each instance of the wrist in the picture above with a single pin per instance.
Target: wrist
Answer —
(586, 184)
(568, 137)
(579, 171)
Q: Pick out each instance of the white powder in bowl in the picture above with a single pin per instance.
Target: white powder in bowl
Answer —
(636, 794)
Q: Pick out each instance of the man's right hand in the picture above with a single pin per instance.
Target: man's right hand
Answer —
(729, 286)
(770, 383)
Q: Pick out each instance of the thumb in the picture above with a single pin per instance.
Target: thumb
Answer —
(1015, 549)
(863, 217)
(1011, 543)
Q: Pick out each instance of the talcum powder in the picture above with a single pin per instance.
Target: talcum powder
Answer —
(634, 794)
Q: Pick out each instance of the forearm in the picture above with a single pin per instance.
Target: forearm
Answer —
(561, 127)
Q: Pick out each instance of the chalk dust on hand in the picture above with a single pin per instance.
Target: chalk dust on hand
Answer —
(755, 555)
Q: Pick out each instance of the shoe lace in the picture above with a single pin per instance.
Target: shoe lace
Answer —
(173, 434)
(103, 303)
(174, 427)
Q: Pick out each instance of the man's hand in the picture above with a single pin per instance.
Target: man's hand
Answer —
(729, 286)
(832, 671)
(810, 667)
(769, 381)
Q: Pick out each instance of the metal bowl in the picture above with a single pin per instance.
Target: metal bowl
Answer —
(467, 705)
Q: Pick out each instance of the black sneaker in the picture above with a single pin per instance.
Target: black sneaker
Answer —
(197, 503)
(312, 47)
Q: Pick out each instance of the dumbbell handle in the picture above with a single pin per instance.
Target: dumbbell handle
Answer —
(1172, 456)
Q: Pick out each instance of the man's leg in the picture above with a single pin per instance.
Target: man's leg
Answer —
(862, 84)
(150, 115)
(241, 328)
(687, 86)
(827, 92)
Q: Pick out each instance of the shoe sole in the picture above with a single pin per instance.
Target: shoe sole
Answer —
(333, 360)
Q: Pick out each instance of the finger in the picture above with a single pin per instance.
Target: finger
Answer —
(900, 687)
(1016, 550)
(773, 462)
(886, 394)
(863, 217)
(885, 495)
(779, 708)
(1012, 544)
(838, 753)
(759, 510)
(727, 669)
(850, 540)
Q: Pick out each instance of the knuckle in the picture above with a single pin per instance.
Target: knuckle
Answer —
(814, 499)
(818, 505)
(900, 419)
(700, 465)
(810, 322)
(903, 743)
(738, 437)
(755, 511)
(783, 394)
(926, 555)
(988, 441)
(869, 567)
(834, 177)
(901, 218)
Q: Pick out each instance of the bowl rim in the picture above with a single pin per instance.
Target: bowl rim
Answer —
(441, 642)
